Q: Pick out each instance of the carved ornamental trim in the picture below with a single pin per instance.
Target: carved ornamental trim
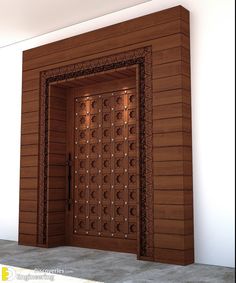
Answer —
(141, 57)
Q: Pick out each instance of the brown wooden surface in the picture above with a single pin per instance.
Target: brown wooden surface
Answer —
(168, 34)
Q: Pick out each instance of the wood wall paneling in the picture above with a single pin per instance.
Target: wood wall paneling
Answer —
(168, 34)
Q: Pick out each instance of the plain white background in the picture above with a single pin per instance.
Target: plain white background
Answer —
(212, 67)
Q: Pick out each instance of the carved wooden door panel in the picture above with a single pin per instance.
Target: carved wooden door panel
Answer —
(106, 179)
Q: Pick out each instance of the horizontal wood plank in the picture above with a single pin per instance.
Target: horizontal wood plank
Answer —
(172, 153)
(172, 139)
(171, 97)
(29, 128)
(169, 226)
(178, 242)
(56, 206)
(30, 96)
(28, 205)
(171, 69)
(30, 117)
(29, 172)
(30, 149)
(171, 256)
(174, 212)
(57, 194)
(28, 217)
(173, 197)
(56, 217)
(172, 125)
(27, 240)
(29, 139)
(172, 168)
(171, 111)
(171, 83)
(29, 161)
(170, 55)
(28, 228)
(173, 183)
(29, 183)
(28, 194)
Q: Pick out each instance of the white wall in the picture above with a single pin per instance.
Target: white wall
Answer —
(212, 55)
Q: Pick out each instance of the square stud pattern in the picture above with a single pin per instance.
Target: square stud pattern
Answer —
(106, 134)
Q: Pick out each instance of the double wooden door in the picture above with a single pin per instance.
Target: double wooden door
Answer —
(105, 170)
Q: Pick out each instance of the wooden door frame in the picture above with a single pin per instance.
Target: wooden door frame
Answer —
(142, 58)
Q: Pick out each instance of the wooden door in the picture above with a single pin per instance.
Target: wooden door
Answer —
(105, 175)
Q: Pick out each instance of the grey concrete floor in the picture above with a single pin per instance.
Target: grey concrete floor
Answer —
(107, 266)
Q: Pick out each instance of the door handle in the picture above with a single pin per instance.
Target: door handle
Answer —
(69, 165)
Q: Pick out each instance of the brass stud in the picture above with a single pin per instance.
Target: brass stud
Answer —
(76, 157)
(125, 236)
(76, 114)
(86, 232)
(75, 201)
(75, 231)
(75, 172)
(86, 216)
(75, 187)
(125, 219)
(112, 235)
(76, 142)
(75, 216)
(126, 202)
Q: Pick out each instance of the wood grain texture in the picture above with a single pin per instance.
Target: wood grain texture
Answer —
(167, 32)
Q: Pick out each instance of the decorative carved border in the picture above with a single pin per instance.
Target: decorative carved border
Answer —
(143, 58)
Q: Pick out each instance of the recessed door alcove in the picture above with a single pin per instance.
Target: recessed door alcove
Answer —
(106, 141)
(97, 123)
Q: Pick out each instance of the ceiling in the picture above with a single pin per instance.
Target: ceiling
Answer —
(24, 19)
